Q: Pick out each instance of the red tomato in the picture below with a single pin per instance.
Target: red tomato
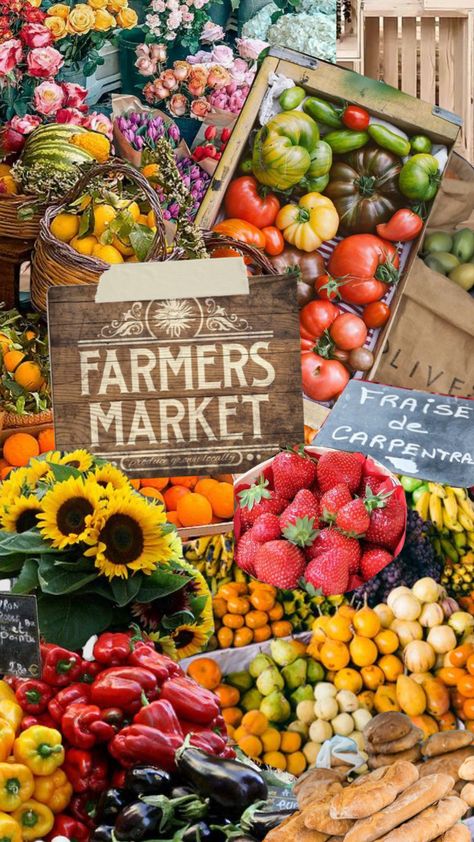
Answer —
(403, 226)
(274, 242)
(348, 331)
(376, 314)
(365, 265)
(246, 199)
(355, 118)
(316, 317)
(323, 380)
(327, 287)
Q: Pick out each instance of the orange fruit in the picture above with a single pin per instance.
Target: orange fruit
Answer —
(206, 672)
(29, 376)
(290, 741)
(227, 695)
(238, 605)
(262, 586)
(451, 675)
(256, 619)
(155, 482)
(172, 496)
(387, 642)
(46, 440)
(186, 482)
(172, 517)
(222, 500)
(233, 621)
(271, 739)
(250, 745)
(470, 664)
(262, 601)
(243, 637)
(194, 510)
(468, 708)
(232, 716)
(281, 628)
(275, 613)
(296, 763)
(275, 759)
(205, 485)
(225, 637)
(219, 607)
(231, 589)
(5, 471)
(5, 343)
(153, 493)
(466, 687)
(12, 359)
(19, 448)
(334, 655)
(255, 723)
(459, 656)
(262, 634)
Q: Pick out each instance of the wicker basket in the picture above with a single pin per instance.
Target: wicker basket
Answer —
(10, 223)
(12, 421)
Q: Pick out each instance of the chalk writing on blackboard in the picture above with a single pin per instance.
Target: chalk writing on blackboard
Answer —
(19, 635)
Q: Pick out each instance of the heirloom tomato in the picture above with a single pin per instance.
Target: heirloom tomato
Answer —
(246, 199)
(274, 242)
(363, 266)
(316, 317)
(420, 177)
(348, 331)
(323, 380)
(309, 223)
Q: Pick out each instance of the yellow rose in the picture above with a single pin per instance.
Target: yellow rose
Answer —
(35, 3)
(127, 18)
(97, 4)
(115, 5)
(81, 19)
(103, 21)
(57, 27)
(59, 10)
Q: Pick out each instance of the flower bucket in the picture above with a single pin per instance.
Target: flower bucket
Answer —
(132, 81)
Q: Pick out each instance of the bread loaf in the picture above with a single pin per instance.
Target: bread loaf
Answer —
(317, 817)
(430, 823)
(466, 769)
(458, 833)
(376, 760)
(448, 763)
(417, 797)
(363, 800)
(467, 794)
(293, 830)
(446, 741)
(386, 727)
(314, 791)
(395, 746)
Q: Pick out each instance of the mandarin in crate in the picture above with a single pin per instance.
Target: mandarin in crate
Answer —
(206, 672)
(222, 500)
(173, 494)
(46, 440)
(194, 510)
(172, 517)
(155, 482)
(153, 493)
(262, 600)
(29, 376)
(5, 471)
(185, 482)
(19, 448)
(206, 485)
(12, 359)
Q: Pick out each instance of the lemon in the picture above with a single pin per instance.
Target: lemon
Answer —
(103, 215)
(151, 219)
(123, 246)
(143, 219)
(65, 226)
(84, 245)
(108, 254)
(132, 208)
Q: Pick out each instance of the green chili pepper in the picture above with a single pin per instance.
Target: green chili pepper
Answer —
(389, 140)
(291, 98)
(323, 112)
(420, 143)
(346, 141)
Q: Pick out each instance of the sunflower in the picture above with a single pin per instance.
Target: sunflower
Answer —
(80, 459)
(20, 516)
(198, 589)
(70, 508)
(129, 536)
(191, 639)
(39, 468)
(19, 482)
(106, 475)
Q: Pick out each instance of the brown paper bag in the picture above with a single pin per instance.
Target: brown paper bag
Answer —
(121, 105)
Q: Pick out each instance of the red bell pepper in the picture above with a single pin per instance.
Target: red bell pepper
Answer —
(70, 828)
(208, 741)
(40, 719)
(83, 726)
(83, 808)
(61, 667)
(124, 687)
(112, 648)
(86, 770)
(118, 778)
(190, 701)
(142, 744)
(89, 671)
(75, 694)
(145, 655)
(114, 717)
(160, 715)
(33, 696)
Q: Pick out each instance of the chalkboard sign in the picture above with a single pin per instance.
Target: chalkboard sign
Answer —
(19, 636)
(280, 800)
(422, 435)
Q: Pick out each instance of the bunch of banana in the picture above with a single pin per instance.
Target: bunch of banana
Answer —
(213, 556)
(458, 576)
(301, 608)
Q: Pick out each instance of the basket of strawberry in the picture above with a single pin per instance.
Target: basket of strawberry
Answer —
(330, 518)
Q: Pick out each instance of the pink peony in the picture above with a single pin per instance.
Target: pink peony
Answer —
(11, 54)
(211, 32)
(25, 125)
(44, 62)
(219, 99)
(200, 107)
(250, 48)
(178, 105)
(48, 98)
(36, 35)
(223, 55)
(72, 116)
(99, 123)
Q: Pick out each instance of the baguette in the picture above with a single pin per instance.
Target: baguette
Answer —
(412, 755)
(458, 833)
(446, 741)
(395, 746)
(386, 727)
(429, 824)
(317, 817)
(420, 796)
(314, 792)
(448, 763)
(467, 794)
(293, 830)
(466, 769)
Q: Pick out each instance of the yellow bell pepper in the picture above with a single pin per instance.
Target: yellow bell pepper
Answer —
(10, 830)
(12, 712)
(53, 790)
(35, 820)
(40, 749)
(6, 692)
(16, 785)
(7, 738)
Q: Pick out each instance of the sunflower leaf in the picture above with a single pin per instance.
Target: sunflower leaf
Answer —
(125, 590)
(181, 618)
(71, 620)
(28, 579)
(56, 579)
(11, 562)
(29, 542)
(63, 472)
(163, 581)
(198, 605)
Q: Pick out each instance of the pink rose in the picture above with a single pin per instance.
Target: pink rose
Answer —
(145, 66)
(239, 70)
(158, 53)
(36, 35)
(48, 98)
(178, 105)
(211, 32)
(99, 123)
(72, 116)
(218, 77)
(200, 107)
(181, 70)
(201, 57)
(168, 80)
(25, 125)
(75, 95)
(44, 62)
(223, 55)
(250, 48)
(195, 89)
(11, 54)
(159, 91)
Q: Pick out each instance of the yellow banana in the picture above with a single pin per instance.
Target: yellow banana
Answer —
(436, 510)
(461, 493)
(451, 504)
(437, 489)
(422, 505)
(466, 505)
(451, 525)
(466, 522)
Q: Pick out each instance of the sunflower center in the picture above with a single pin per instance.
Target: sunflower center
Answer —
(183, 638)
(27, 520)
(71, 516)
(73, 464)
(123, 538)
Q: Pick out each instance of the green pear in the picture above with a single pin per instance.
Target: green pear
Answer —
(295, 674)
(270, 680)
(260, 662)
(251, 699)
(275, 707)
(315, 671)
(242, 681)
(302, 694)
(284, 652)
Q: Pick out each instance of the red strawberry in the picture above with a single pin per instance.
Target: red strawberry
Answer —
(387, 523)
(291, 472)
(245, 553)
(330, 572)
(257, 500)
(302, 532)
(333, 500)
(304, 505)
(266, 528)
(373, 560)
(279, 563)
(353, 518)
(337, 466)
(374, 484)
(332, 539)
(354, 582)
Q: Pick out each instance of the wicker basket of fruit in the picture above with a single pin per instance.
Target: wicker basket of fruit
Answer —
(12, 203)
(25, 397)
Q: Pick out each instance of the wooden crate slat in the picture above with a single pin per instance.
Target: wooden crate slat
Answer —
(372, 35)
(446, 64)
(409, 56)
(428, 88)
(389, 72)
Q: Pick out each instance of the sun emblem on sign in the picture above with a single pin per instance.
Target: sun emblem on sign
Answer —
(173, 316)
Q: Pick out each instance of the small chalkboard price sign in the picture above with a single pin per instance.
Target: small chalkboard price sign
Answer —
(419, 434)
(280, 800)
(19, 636)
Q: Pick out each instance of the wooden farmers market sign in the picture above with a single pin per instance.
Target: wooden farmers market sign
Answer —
(410, 432)
(177, 385)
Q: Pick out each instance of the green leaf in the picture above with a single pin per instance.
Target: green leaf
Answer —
(125, 590)
(29, 543)
(58, 579)
(70, 621)
(63, 472)
(174, 620)
(28, 579)
(141, 239)
(162, 582)
(11, 562)
(86, 225)
(198, 605)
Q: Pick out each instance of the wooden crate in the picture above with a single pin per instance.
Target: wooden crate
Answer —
(425, 48)
(350, 30)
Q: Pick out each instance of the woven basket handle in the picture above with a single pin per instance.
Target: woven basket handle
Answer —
(158, 247)
(215, 241)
